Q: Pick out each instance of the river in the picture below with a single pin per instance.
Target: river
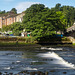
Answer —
(54, 60)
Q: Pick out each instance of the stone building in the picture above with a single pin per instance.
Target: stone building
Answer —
(10, 18)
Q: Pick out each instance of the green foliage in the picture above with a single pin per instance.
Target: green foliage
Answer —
(16, 40)
(32, 11)
(42, 21)
(0, 29)
(57, 7)
(16, 28)
(14, 10)
(65, 39)
(2, 12)
(62, 20)
(68, 12)
(74, 44)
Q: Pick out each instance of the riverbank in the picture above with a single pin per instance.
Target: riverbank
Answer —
(31, 47)
(31, 40)
(72, 40)
(24, 43)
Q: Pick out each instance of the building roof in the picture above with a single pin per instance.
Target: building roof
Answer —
(2, 15)
(10, 14)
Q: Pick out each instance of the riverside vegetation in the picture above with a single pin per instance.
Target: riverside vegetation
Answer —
(43, 22)
(30, 40)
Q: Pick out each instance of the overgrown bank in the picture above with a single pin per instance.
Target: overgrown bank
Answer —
(20, 41)
(41, 22)
(23, 43)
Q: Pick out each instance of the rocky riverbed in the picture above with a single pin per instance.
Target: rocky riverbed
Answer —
(38, 61)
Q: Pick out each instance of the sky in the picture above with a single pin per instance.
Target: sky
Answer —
(22, 5)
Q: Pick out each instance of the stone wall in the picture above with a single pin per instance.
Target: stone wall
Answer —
(72, 34)
(72, 39)
(19, 17)
(72, 28)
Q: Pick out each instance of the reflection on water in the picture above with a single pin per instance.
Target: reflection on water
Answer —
(43, 59)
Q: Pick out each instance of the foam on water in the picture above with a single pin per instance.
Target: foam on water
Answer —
(55, 48)
(18, 61)
(52, 48)
(7, 68)
(29, 68)
(56, 59)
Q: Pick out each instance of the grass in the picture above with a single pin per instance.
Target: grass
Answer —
(22, 41)
(15, 43)
(74, 44)
(17, 40)
(65, 39)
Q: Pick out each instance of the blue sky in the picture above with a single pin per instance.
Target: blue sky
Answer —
(21, 5)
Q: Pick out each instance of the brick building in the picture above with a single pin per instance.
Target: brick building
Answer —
(10, 18)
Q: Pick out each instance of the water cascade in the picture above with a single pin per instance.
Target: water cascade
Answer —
(56, 59)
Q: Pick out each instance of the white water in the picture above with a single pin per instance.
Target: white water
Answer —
(7, 68)
(52, 48)
(29, 68)
(56, 59)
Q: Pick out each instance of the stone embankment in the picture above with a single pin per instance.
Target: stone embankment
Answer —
(72, 39)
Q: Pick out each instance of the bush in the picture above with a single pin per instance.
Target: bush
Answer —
(65, 39)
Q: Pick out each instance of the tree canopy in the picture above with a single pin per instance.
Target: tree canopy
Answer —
(16, 28)
(14, 10)
(68, 12)
(43, 21)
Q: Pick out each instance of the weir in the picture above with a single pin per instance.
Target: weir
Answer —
(56, 59)
(51, 60)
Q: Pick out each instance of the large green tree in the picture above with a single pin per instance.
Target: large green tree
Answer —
(68, 12)
(43, 21)
(32, 11)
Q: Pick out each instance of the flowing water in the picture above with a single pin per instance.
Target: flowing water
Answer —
(56, 61)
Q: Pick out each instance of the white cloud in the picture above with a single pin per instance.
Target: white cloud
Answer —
(24, 5)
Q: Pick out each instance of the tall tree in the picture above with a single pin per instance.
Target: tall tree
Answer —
(69, 13)
(14, 10)
(43, 21)
(32, 11)
(57, 7)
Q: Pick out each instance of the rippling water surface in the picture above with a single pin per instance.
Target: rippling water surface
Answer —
(56, 61)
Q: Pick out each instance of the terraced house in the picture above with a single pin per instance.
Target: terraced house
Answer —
(10, 18)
